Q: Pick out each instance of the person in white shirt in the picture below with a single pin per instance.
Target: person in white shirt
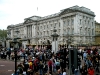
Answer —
(64, 72)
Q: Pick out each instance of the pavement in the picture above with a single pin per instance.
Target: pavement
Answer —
(7, 67)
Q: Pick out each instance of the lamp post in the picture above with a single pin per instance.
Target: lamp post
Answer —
(15, 52)
(15, 42)
(69, 40)
(55, 36)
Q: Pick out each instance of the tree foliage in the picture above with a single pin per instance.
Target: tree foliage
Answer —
(3, 34)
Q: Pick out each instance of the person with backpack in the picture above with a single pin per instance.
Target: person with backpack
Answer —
(57, 64)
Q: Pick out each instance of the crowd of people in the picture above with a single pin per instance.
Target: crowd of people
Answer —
(91, 63)
(45, 62)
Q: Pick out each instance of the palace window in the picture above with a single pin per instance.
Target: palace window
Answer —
(38, 27)
(72, 31)
(47, 26)
(41, 33)
(59, 31)
(92, 31)
(44, 26)
(72, 22)
(64, 23)
(80, 30)
(47, 33)
(88, 22)
(80, 21)
(85, 21)
(44, 33)
(68, 22)
(41, 27)
(59, 24)
(37, 33)
(55, 24)
(51, 25)
(92, 24)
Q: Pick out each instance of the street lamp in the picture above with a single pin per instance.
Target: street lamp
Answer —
(15, 52)
(69, 40)
(55, 36)
(15, 42)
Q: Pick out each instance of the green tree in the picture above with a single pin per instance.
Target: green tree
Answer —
(3, 34)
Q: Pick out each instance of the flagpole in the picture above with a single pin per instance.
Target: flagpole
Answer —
(37, 11)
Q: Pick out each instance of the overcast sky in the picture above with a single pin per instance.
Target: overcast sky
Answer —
(15, 11)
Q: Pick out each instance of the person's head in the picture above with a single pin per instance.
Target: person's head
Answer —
(46, 74)
(59, 71)
(49, 72)
(83, 66)
(91, 67)
(40, 62)
(64, 70)
(76, 69)
(36, 73)
(96, 58)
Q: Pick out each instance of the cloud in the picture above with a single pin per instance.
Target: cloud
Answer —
(15, 11)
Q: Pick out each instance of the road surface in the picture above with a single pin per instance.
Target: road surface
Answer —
(6, 67)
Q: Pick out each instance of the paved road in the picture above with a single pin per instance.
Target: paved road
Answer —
(6, 67)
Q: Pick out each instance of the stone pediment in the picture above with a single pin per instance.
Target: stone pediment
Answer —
(66, 11)
(28, 21)
(77, 9)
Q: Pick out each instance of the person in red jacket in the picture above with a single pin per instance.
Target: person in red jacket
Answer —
(50, 65)
(91, 71)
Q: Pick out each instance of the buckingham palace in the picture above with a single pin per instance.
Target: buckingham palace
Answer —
(75, 23)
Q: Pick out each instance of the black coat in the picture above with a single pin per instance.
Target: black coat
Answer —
(83, 71)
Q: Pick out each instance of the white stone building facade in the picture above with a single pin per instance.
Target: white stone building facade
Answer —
(77, 22)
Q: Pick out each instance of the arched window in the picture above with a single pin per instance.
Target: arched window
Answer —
(68, 22)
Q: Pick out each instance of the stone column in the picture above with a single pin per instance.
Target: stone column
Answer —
(7, 44)
(61, 24)
(12, 32)
(25, 31)
(32, 31)
(53, 46)
(24, 44)
(56, 45)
